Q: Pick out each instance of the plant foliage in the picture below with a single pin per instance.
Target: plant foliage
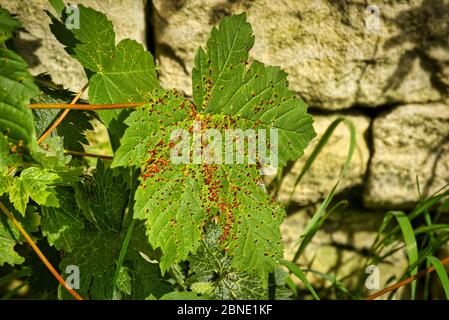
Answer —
(144, 226)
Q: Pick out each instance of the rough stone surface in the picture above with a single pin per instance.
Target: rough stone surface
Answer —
(340, 246)
(410, 141)
(43, 52)
(335, 56)
(323, 174)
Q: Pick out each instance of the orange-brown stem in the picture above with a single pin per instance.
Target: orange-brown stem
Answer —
(39, 252)
(91, 155)
(406, 281)
(61, 117)
(71, 106)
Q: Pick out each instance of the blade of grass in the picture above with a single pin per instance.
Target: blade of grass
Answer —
(320, 215)
(410, 241)
(301, 276)
(441, 272)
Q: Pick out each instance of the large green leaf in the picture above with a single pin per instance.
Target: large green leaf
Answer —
(118, 74)
(256, 94)
(16, 89)
(63, 226)
(177, 199)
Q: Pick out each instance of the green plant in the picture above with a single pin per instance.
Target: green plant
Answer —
(143, 226)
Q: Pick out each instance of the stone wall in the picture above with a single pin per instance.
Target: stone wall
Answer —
(390, 76)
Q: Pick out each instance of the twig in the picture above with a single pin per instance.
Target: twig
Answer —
(39, 252)
(86, 154)
(73, 106)
(61, 117)
(406, 281)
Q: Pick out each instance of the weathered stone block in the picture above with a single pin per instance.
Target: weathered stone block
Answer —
(409, 142)
(335, 53)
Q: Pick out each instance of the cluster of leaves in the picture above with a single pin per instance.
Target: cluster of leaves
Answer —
(142, 226)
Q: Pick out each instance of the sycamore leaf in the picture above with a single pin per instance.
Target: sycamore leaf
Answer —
(6, 181)
(16, 120)
(176, 199)
(118, 74)
(8, 239)
(98, 246)
(103, 198)
(36, 184)
(74, 125)
(10, 235)
(50, 155)
(16, 89)
(211, 270)
(63, 226)
(224, 82)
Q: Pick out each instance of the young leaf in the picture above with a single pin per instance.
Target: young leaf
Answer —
(63, 226)
(34, 183)
(50, 155)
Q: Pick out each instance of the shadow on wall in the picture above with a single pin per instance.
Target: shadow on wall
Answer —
(26, 48)
(427, 29)
(439, 151)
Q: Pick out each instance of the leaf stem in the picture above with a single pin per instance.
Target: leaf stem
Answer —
(406, 281)
(72, 106)
(62, 116)
(87, 154)
(39, 252)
